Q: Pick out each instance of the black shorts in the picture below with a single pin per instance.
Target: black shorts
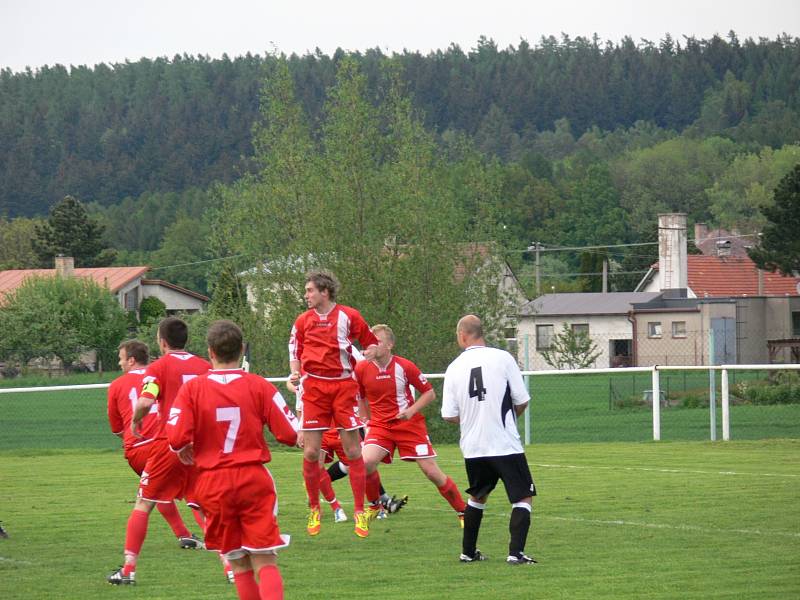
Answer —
(483, 473)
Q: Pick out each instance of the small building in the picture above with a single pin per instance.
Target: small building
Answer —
(128, 284)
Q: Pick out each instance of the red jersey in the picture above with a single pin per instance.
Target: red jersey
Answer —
(223, 414)
(169, 373)
(323, 343)
(388, 391)
(122, 396)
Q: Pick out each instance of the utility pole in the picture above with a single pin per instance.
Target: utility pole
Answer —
(536, 246)
(605, 274)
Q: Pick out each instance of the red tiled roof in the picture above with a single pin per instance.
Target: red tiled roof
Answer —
(114, 278)
(726, 276)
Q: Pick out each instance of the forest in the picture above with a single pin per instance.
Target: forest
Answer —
(564, 142)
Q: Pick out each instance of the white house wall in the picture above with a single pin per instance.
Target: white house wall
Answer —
(602, 329)
(173, 299)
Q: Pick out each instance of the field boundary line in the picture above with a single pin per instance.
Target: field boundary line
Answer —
(664, 470)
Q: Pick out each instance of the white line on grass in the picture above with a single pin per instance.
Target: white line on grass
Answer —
(676, 527)
(663, 470)
(15, 561)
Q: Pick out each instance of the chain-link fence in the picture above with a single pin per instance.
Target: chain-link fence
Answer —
(579, 406)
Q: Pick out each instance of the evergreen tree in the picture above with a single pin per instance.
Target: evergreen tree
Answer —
(780, 242)
(72, 232)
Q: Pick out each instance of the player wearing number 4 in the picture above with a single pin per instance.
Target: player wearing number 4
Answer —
(217, 423)
(321, 355)
(395, 420)
(484, 393)
(122, 396)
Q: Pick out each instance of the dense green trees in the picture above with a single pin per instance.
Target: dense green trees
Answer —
(162, 125)
(780, 244)
(61, 318)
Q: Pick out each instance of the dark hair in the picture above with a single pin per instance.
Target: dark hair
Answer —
(225, 340)
(174, 332)
(136, 350)
(323, 280)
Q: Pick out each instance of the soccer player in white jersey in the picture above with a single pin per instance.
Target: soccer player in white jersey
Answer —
(484, 393)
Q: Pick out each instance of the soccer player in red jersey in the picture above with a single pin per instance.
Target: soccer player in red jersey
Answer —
(122, 396)
(395, 419)
(321, 354)
(217, 423)
(164, 478)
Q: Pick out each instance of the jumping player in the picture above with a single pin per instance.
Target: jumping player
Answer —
(396, 420)
(122, 396)
(217, 423)
(164, 478)
(320, 352)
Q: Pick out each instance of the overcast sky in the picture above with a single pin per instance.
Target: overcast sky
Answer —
(39, 32)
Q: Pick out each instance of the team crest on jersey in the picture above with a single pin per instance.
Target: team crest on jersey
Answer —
(422, 379)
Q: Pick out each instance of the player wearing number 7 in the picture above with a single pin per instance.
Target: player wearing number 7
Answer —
(217, 424)
(484, 393)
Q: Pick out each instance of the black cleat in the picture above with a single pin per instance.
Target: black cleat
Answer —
(191, 543)
(117, 578)
(394, 504)
(3, 532)
(520, 560)
(477, 557)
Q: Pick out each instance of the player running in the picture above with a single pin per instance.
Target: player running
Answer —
(396, 420)
(320, 353)
(164, 478)
(217, 423)
(122, 396)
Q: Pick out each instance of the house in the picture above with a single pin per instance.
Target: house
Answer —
(128, 284)
(687, 310)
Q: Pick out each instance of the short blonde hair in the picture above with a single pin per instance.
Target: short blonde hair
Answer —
(385, 329)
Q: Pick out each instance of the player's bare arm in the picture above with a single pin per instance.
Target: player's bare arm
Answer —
(418, 405)
(294, 374)
(143, 405)
(520, 408)
(455, 420)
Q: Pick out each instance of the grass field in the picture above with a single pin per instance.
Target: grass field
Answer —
(612, 520)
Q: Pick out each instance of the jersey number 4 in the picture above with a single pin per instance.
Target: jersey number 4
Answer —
(231, 415)
(476, 389)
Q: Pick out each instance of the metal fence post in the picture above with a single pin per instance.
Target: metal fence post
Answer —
(712, 387)
(656, 405)
(726, 417)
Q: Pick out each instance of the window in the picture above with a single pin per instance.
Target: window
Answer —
(654, 329)
(580, 328)
(796, 324)
(544, 337)
(130, 301)
(679, 329)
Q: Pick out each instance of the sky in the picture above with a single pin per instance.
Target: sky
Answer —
(34, 33)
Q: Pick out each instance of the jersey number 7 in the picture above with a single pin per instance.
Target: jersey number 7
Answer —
(231, 415)
(476, 389)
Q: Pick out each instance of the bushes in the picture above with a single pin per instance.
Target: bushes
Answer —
(783, 388)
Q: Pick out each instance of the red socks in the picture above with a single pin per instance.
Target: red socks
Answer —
(450, 492)
(134, 539)
(246, 585)
(358, 483)
(311, 477)
(270, 583)
(373, 487)
(173, 518)
(325, 485)
(200, 519)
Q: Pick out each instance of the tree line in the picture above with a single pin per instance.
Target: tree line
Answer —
(162, 125)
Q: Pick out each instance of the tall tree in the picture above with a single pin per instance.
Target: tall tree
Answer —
(16, 246)
(70, 231)
(780, 243)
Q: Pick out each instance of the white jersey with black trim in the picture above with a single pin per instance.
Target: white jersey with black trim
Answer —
(481, 387)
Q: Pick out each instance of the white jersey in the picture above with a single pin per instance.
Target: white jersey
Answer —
(481, 387)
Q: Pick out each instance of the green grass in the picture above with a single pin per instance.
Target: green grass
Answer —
(612, 520)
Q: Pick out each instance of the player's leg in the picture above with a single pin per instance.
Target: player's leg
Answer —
(520, 489)
(351, 444)
(446, 486)
(326, 488)
(135, 533)
(312, 442)
(338, 470)
(270, 582)
(244, 578)
(373, 454)
(482, 479)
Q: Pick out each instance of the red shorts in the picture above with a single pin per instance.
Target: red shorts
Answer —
(409, 437)
(329, 403)
(137, 457)
(332, 444)
(240, 505)
(164, 478)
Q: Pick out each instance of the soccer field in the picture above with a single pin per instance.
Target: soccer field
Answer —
(636, 520)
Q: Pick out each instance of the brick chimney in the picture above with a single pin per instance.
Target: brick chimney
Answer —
(672, 262)
(65, 266)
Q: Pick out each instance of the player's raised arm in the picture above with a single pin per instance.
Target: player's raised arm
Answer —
(279, 417)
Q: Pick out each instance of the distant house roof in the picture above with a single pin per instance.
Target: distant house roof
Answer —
(113, 278)
(728, 276)
(177, 288)
(614, 303)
